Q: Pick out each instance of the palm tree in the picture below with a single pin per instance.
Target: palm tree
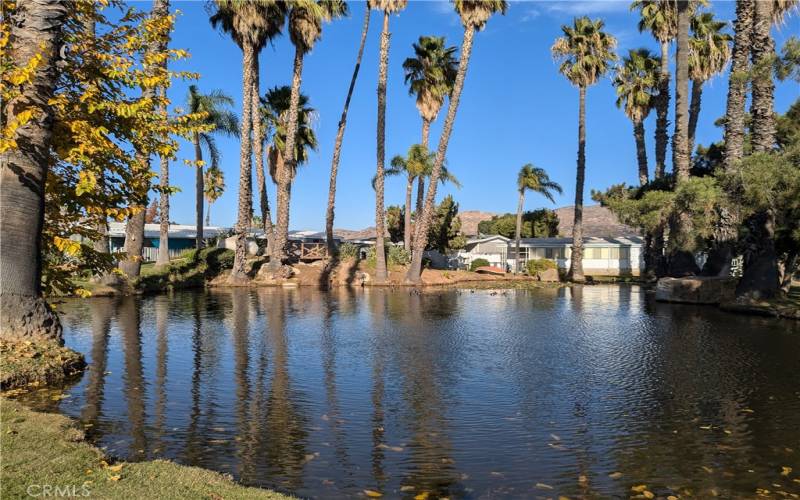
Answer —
(213, 187)
(659, 18)
(417, 164)
(635, 80)
(388, 7)
(337, 146)
(737, 84)
(585, 52)
(36, 30)
(430, 74)
(680, 139)
(251, 25)
(709, 53)
(305, 29)
(275, 113)
(474, 16)
(223, 120)
(534, 179)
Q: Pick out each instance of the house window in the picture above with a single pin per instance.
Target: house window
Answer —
(554, 253)
(614, 253)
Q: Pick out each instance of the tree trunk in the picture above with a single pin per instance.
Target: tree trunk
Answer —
(337, 146)
(414, 274)
(208, 214)
(134, 230)
(245, 209)
(407, 215)
(737, 84)
(641, 151)
(681, 260)
(258, 150)
(35, 26)
(518, 232)
(380, 255)
(426, 130)
(576, 260)
(662, 110)
(761, 274)
(199, 191)
(285, 168)
(694, 113)
(163, 207)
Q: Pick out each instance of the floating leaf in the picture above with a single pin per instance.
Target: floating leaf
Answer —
(639, 488)
(543, 486)
(615, 475)
(785, 470)
(422, 496)
(373, 493)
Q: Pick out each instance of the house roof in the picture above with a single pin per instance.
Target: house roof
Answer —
(589, 241)
(117, 229)
(484, 239)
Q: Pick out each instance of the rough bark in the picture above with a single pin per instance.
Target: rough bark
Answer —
(134, 230)
(238, 272)
(641, 151)
(383, 66)
(737, 83)
(414, 273)
(163, 206)
(208, 214)
(258, 151)
(662, 110)
(576, 260)
(694, 113)
(199, 189)
(426, 131)
(407, 215)
(337, 146)
(518, 231)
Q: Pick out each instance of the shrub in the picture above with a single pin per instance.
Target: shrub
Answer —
(536, 265)
(478, 263)
(348, 251)
(398, 256)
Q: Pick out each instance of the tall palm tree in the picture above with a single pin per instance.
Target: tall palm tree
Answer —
(36, 28)
(709, 53)
(275, 113)
(585, 53)
(305, 29)
(737, 84)
(417, 164)
(531, 178)
(660, 19)
(337, 146)
(474, 15)
(223, 120)
(213, 187)
(388, 7)
(636, 82)
(251, 25)
(430, 74)
(134, 229)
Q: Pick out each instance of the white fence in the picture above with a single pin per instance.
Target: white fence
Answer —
(150, 254)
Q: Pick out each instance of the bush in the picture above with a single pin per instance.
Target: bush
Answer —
(398, 256)
(536, 265)
(478, 263)
(348, 251)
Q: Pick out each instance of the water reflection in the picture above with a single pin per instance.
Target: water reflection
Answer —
(582, 391)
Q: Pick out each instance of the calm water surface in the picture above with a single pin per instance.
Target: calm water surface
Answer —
(582, 392)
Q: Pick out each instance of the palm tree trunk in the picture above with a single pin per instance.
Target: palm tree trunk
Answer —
(238, 273)
(407, 215)
(662, 110)
(337, 146)
(163, 208)
(737, 83)
(208, 214)
(24, 314)
(518, 232)
(760, 278)
(681, 260)
(576, 259)
(641, 151)
(258, 150)
(694, 113)
(380, 255)
(414, 274)
(426, 130)
(134, 230)
(199, 192)
(285, 168)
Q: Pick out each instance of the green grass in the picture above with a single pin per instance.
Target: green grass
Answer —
(189, 271)
(24, 363)
(48, 449)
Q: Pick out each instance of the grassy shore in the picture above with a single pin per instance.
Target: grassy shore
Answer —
(782, 307)
(43, 450)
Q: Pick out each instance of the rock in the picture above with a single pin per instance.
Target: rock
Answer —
(696, 290)
(230, 244)
(265, 273)
(550, 275)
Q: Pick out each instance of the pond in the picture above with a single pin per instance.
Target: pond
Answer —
(583, 392)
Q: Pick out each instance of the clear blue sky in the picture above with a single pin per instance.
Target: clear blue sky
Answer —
(516, 108)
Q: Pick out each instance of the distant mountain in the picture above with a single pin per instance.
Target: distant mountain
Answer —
(470, 220)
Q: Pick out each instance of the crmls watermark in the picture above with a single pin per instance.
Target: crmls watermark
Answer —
(58, 491)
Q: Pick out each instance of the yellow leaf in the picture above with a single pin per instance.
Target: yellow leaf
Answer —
(115, 468)
(422, 496)
(615, 475)
(785, 471)
(640, 488)
(373, 494)
(114, 478)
